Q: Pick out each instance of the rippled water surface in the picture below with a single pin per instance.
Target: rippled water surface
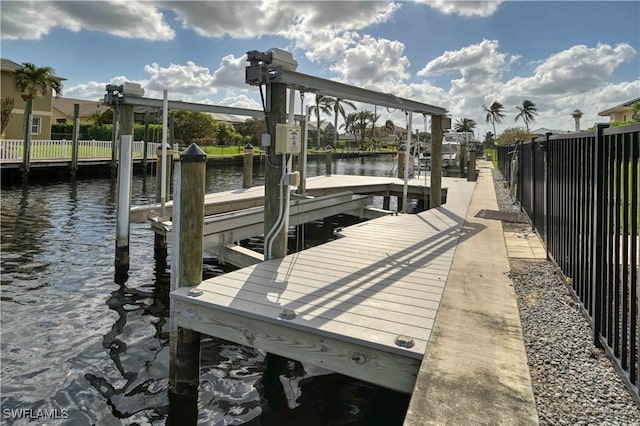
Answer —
(91, 349)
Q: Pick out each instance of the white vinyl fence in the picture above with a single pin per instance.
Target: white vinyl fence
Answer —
(43, 150)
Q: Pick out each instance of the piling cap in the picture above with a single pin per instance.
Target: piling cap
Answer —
(193, 154)
(248, 146)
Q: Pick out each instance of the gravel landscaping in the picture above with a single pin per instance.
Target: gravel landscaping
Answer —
(574, 383)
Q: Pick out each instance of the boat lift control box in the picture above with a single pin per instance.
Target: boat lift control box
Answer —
(288, 139)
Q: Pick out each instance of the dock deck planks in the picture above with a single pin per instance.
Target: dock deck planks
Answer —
(352, 296)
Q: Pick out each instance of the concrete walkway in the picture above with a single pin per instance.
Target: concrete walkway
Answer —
(475, 370)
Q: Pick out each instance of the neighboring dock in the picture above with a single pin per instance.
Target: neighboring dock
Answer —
(227, 201)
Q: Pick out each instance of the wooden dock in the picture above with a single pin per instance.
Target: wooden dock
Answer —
(363, 305)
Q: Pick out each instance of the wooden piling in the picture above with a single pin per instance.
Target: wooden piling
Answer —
(125, 171)
(328, 161)
(184, 365)
(436, 161)
(145, 148)
(74, 140)
(114, 139)
(26, 150)
(401, 164)
(159, 241)
(247, 171)
(386, 201)
(273, 169)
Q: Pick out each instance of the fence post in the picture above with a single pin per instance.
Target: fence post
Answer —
(600, 179)
(533, 183)
(547, 194)
(74, 140)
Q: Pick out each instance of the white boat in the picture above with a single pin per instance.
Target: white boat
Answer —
(454, 146)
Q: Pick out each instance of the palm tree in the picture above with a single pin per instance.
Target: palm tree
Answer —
(464, 125)
(527, 113)
(361, 123)
(323, 106)
(34, 82)
(495, 114)
(338, 108)
(6, 108)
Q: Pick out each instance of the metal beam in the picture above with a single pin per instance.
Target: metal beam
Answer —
(308, 83)
(189, 106)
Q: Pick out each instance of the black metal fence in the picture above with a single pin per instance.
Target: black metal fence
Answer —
(581, 192)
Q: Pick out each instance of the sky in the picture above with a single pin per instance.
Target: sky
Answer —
(459, 55)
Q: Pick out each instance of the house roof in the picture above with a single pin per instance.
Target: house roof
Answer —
(324, 125)
(624, 105)
(9, 65)
(66, 105)
(543, 131)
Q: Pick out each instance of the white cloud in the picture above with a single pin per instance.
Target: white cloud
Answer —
(127, 19)
(575, 70)
(93, 89)
(182, 81)
(289, 19)
(241, 101)
(230, 73)
(373, 62)
(481, 8)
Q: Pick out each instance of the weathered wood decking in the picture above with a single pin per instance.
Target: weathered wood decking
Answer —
(353, 298)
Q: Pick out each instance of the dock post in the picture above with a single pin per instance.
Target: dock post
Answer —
(401, 155)
(247, 171)
(114, 139)
(276, 93)
(74, 139)
(435, 196)
(160, 242)
(145, 148)
(188, 215)
(328, 160)
(125, 171)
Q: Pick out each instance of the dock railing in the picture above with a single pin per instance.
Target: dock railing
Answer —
(47, 150)
(581, 191)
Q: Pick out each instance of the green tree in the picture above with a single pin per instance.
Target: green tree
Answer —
(227, 134)
(495, 114)
(6, 109)
(338, 109)
(323, 106)
(464, 125)
(488, 140)
(191, 126)
(253, 128)
(361, 121)
(527, 113)
(34, 82)
(513, 135)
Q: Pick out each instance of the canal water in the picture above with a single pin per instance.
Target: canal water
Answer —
(80, 346)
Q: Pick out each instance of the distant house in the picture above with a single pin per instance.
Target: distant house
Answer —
(62, 109)
(326, 130)
(42, 107)
(543, 131)
(622, 112)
